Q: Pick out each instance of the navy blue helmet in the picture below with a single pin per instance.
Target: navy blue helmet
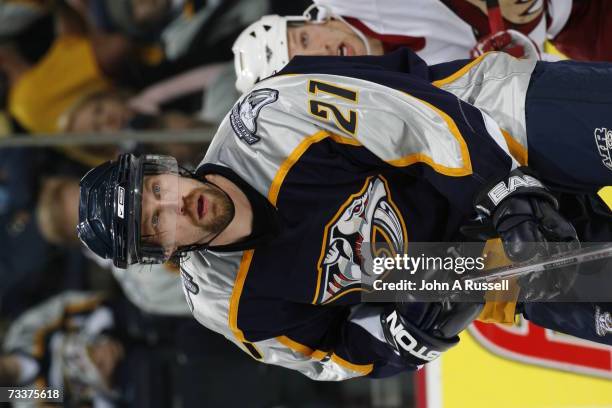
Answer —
(110, 209)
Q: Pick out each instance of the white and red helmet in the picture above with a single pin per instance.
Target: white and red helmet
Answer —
(261, 50)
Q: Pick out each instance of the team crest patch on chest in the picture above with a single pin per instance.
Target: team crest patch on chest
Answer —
(367, 224)
(243, 117)
(603, 139)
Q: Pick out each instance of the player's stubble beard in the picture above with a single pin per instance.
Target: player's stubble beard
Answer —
(222, 210)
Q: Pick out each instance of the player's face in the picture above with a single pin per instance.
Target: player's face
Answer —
(104, 114)
(330, 38)
(197, 211)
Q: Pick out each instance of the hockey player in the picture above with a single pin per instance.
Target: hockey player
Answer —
(437, 30)
(314, 165)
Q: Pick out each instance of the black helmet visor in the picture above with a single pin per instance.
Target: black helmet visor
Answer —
(153, 206)
(128, 209)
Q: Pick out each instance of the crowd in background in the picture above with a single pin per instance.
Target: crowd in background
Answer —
(113, 337)
(104, 66)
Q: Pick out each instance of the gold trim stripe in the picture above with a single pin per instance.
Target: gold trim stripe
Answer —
(293, 157)
(518, 151)
(363, 369)
(465, 170)
(458, 74)
(245, 263)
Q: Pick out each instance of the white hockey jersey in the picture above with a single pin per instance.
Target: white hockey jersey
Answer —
(446, 30)
(337, 153)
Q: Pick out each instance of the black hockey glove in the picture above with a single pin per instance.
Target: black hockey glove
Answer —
(524, 214)
(421, 332)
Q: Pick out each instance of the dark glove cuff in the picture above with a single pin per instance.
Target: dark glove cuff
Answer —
(414, 345)
(519, 181)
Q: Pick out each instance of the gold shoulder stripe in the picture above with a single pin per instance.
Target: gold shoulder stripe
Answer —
(344, 140)
(517, 150)
(465, 170)
(293, 157)
(363, 369)
(245, 263)
(295, 346)
(458, 74)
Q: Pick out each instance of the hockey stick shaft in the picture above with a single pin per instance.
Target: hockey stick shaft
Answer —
(570, 258)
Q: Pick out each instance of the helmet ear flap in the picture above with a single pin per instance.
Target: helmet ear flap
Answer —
(317, 14)
(261, 50)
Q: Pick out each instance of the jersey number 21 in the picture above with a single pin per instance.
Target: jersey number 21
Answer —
(345, 121)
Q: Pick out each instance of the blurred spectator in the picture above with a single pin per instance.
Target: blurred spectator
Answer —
(45, 100)
(41, 93)
(155, 289)
(105, 353)
(160, 39)
(34, 259)
(207, 93)
(88, 346)
(111, 111)
(57, 212)
(164, 38)
(28, 25)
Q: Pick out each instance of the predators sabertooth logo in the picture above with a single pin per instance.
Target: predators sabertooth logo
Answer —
(603, 140)
(243, 117)
(366, 219)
